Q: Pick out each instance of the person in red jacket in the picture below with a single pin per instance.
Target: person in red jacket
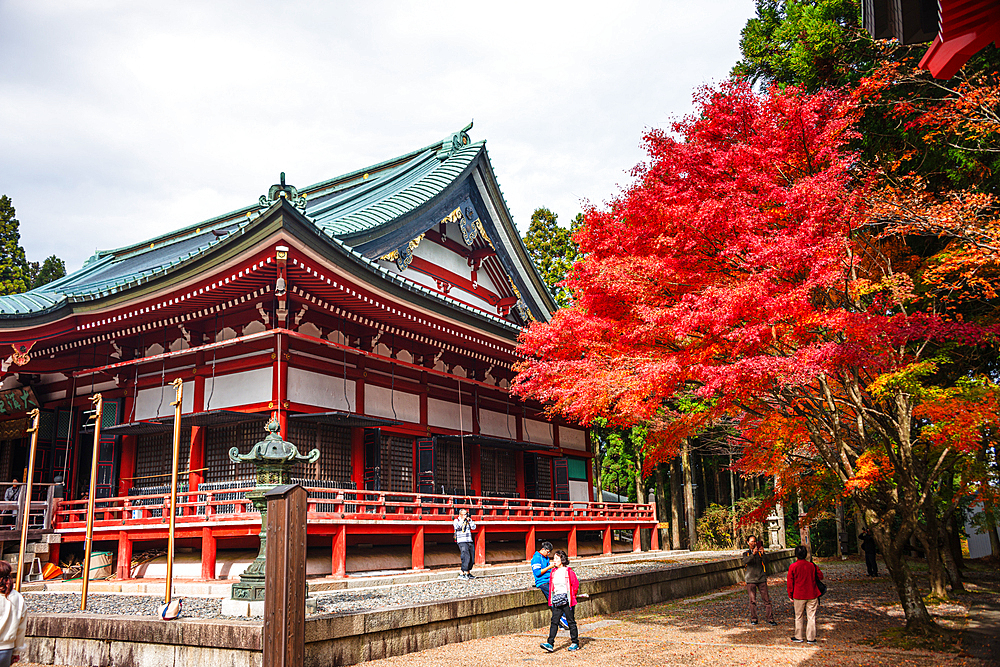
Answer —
(563, 586)
(804, 594)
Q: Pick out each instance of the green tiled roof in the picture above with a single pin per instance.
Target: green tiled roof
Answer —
(356, 202)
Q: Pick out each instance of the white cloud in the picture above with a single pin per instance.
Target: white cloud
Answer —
(121, 120)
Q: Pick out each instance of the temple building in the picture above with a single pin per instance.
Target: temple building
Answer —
(375, 315)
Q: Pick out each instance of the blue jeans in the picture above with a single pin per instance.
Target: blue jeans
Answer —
(5, 656)
(465, 548)
(544, 588)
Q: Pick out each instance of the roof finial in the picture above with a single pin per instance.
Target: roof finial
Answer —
(289, 192)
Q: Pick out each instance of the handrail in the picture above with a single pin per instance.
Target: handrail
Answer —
(348, 505)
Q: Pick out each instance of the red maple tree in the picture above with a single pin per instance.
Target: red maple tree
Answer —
(739, 268)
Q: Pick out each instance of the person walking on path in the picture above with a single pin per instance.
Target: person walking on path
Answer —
(562, 598)
(13, 620)
(804, 594)
(463, 535)
(755, 562)
(542, 568)
(871, 549)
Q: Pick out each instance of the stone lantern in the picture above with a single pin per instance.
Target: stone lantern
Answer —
(273, 458)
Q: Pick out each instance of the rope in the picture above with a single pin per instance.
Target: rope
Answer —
(208, 405)
(392, 387)
(461, 436)
(343, 334)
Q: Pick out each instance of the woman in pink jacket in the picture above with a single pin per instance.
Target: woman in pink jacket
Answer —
(563, 586)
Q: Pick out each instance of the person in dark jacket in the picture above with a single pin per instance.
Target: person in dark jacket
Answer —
(871, 549)
(755, 562)
(804, 594)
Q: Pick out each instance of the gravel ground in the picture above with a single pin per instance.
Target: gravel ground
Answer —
(330, 602)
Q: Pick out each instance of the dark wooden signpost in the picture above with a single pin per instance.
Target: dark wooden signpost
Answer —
(285, 602)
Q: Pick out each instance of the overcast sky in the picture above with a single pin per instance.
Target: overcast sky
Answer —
(123, 120)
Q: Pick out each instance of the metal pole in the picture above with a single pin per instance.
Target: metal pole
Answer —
(179, 386)
(36, 417)
(88, 544)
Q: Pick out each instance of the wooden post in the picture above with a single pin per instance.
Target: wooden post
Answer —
(529, 544)
(636, 539)
(417, 549)
(285, 573)
(571, 546)
(208, 553)
(179, 388)
(339, 565)
(25, 514)
(607, 540)
(88, 543)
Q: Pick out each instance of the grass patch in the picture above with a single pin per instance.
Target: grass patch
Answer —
(940, 641)
(932, 600)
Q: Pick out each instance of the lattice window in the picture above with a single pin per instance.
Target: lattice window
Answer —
(335, 444)
(543, 475)
(448, 468)
(497, 471)
(154, 454)
(219, 439)
(397, 463)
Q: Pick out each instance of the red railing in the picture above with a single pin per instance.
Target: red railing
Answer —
(347, 506)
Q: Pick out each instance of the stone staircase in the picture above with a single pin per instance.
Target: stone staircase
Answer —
(38, 547)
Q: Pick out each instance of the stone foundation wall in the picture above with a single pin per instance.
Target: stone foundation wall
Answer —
(348, 639)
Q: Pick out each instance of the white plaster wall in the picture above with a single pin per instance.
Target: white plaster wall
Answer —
(239, 389)
(572, 438)
(148, 400)
(578, 490)
(445, 414)
(441, 256)
(497, 424)
(379, 402)
(538, 432)
(322, 391)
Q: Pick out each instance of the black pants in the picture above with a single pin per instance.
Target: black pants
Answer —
(466, 550)
(559, 612)
(871, 563)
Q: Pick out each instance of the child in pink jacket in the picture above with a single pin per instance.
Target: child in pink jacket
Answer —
(563, 586)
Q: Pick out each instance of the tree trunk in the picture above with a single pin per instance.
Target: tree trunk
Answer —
(779, 512)
(955, 542)
(702, 485)
(676, 505)
(991, 528)
(948, 557)
(928, 538)
(841, 534)
(690, 513)
(917, 618)
(803, 526)
(661, 474)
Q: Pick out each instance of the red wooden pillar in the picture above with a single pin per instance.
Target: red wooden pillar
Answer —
(481, 545)
(636, 542)
(654, 543)
(123, 570)
(519, 474)
(53, 553)
(339, 563)
(280, 390)
(127, 469)
(571, 548)
(417, 549)
(208, 553)
(529, 544)
(196, 461)
(607, 540)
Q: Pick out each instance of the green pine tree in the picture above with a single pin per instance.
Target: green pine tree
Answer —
(51, 269)
(14, 271)
(553, 251)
